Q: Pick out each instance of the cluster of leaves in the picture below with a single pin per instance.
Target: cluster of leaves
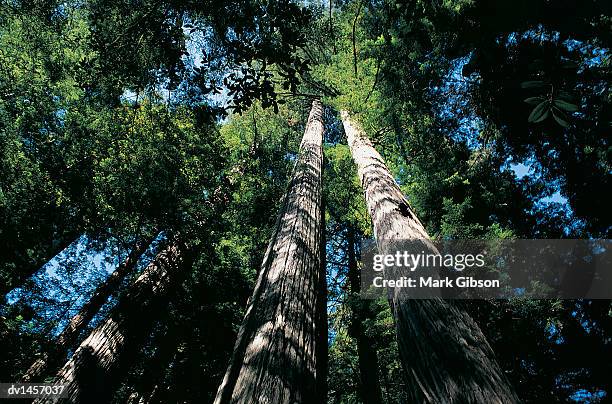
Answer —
(36, 85)
(544, 106)
(544, 87)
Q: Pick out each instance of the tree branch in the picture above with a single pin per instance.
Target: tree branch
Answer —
(354, 29)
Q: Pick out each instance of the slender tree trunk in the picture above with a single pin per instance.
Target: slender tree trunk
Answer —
(368, 357)
(444, 353)
(153, 376)
(91, 373)
(275, 357)
(48, 361)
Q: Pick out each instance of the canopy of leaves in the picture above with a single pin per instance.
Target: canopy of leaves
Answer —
(119, 119)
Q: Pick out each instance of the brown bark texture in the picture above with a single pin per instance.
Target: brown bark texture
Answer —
(48, 360)
(93, 371)
(277, 356)
(445, 355)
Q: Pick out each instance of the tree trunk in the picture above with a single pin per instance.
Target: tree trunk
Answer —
(275, 357)
(443, 351)
(368, 357)
(93, 370)
(153, 376)
(68, 337)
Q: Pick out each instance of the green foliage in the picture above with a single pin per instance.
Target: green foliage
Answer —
(149, 163)
(262, 147)
(36, 84)
(532, 97)
(352, 70)
(342, 192)
(108, 126)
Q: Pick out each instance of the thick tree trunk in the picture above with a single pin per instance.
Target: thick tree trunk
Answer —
(368, 357)
(91, 373)
(444, 353)
(275, 357)
(48, 361)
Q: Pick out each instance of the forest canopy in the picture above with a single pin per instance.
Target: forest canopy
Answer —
(186, 186)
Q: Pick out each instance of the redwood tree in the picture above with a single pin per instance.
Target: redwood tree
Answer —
(371, 392)
(93, 370)
(278, 353)
(67, 338)
(443, 351)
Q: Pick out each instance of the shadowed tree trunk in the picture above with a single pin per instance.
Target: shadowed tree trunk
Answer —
(50, 359)
(167, 358)
(275, 358)
(92, 372)
(368, 357)
(152, 379)
(322, 353)
(444, 353)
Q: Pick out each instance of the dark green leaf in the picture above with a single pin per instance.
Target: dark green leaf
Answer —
(543, 117)
(537, 115)
(566, 105)
(559, 116)
(534, 100)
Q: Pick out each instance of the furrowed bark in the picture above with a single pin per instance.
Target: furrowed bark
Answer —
(443, 351)
(368, 357)
(92, 372)
(275, 357)
(50, 359)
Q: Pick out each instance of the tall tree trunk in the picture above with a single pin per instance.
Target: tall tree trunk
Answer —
(322, 348)
(368, 357)
(275, 357)
(48, 361)
(91, 373)
(152, 378)
(444, 353)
